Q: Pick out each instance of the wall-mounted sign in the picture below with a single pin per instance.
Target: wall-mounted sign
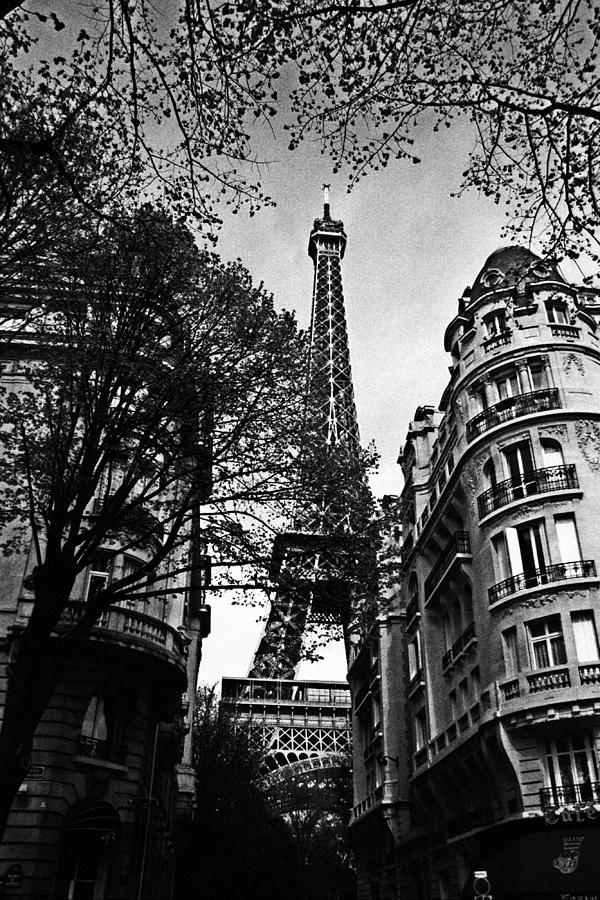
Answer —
(13, 877)
(578, 812)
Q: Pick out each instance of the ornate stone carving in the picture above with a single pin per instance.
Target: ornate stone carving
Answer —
(573, 360)
(588, 440)
(556, 431)
(471, 478)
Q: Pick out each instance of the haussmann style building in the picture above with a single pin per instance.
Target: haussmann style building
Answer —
(476, 714)
(111, 781)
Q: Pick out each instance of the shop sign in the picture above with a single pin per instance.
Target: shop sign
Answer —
(578, 812)
(568, 859)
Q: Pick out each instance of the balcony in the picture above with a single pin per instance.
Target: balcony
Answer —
(512, 408)
(375, 797)
(538, 481)
(458, 548)
(561, 329)
(101, 750)
(566, 571)
(498, 340)
(567, 677)
(569, 794)
(129, 627)
(467, 639)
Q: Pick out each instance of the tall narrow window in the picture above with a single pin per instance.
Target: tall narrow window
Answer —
(476, 682)
(136, 600)
(557, 313)
(420, 730)
(511, 651)
(566, 534)
(495, 323)
(519, 462)
(100, 572)
(539, 381)
(584, 633)
(547, 643)
(572, 767)
(552, 453)
(414, 656)
(507, 386)
(463, 689)
(77, 872)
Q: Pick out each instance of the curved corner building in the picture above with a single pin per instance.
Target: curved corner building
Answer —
(485, 759)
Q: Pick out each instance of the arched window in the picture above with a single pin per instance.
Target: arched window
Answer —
(489, 474)
(552, 453)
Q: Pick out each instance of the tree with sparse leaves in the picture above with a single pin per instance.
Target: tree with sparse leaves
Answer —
(367, 78)
(142, 378)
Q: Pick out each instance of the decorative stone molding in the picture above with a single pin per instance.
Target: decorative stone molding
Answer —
(513, 439)
(573, 360)
(555, 431)
(471, 478)
(588, 441)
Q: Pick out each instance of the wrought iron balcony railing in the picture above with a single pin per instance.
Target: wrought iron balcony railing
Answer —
(512, 408)
(569, 794)
(580, 568)
(537, 481)
(459, 544)
(102, 750)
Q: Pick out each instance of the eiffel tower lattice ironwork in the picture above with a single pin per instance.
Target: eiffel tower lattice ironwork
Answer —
(308, 562)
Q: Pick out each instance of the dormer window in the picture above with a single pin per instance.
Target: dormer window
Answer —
(495, 323)
(492, 278)
(557, 312)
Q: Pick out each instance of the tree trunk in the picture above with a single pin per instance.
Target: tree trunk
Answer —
(31, 682)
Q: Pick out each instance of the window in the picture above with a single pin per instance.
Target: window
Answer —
(557, 313)
(519, 463)
(495, 323)
(447, 632)
(100, 572)
(77, 872)
(571, 761)
(521, 551)
(547, 644)
(511, 651)
(463, 689)
(507, 386)
(489, 475)
(476, 682)
(539, 381)
(420, 730)
(552, 453)
(566, 535)
(453, 704)
(585, 636)
(414, 656)
(138, 588)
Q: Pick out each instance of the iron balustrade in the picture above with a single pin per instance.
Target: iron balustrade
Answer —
(512, 408)
(537, 481)
(580, 568)
(498, 340)
(458, 543)
(103, 750)
(569, 794)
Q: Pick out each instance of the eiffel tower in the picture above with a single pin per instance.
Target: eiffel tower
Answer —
(306, 724)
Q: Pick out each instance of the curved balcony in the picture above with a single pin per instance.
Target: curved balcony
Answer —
(537, 481)
(512, 408)
(131, 628)
(566, 571)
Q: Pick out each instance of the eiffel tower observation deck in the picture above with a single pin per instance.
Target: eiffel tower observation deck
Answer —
(306, 725)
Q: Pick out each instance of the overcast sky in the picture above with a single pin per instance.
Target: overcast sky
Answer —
(411, 251)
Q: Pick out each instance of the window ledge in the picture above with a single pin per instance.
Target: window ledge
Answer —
(96, 763)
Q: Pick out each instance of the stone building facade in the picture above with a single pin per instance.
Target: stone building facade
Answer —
(477, 698)
(111, 780)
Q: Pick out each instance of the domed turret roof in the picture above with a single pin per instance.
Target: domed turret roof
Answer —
(511, 267)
